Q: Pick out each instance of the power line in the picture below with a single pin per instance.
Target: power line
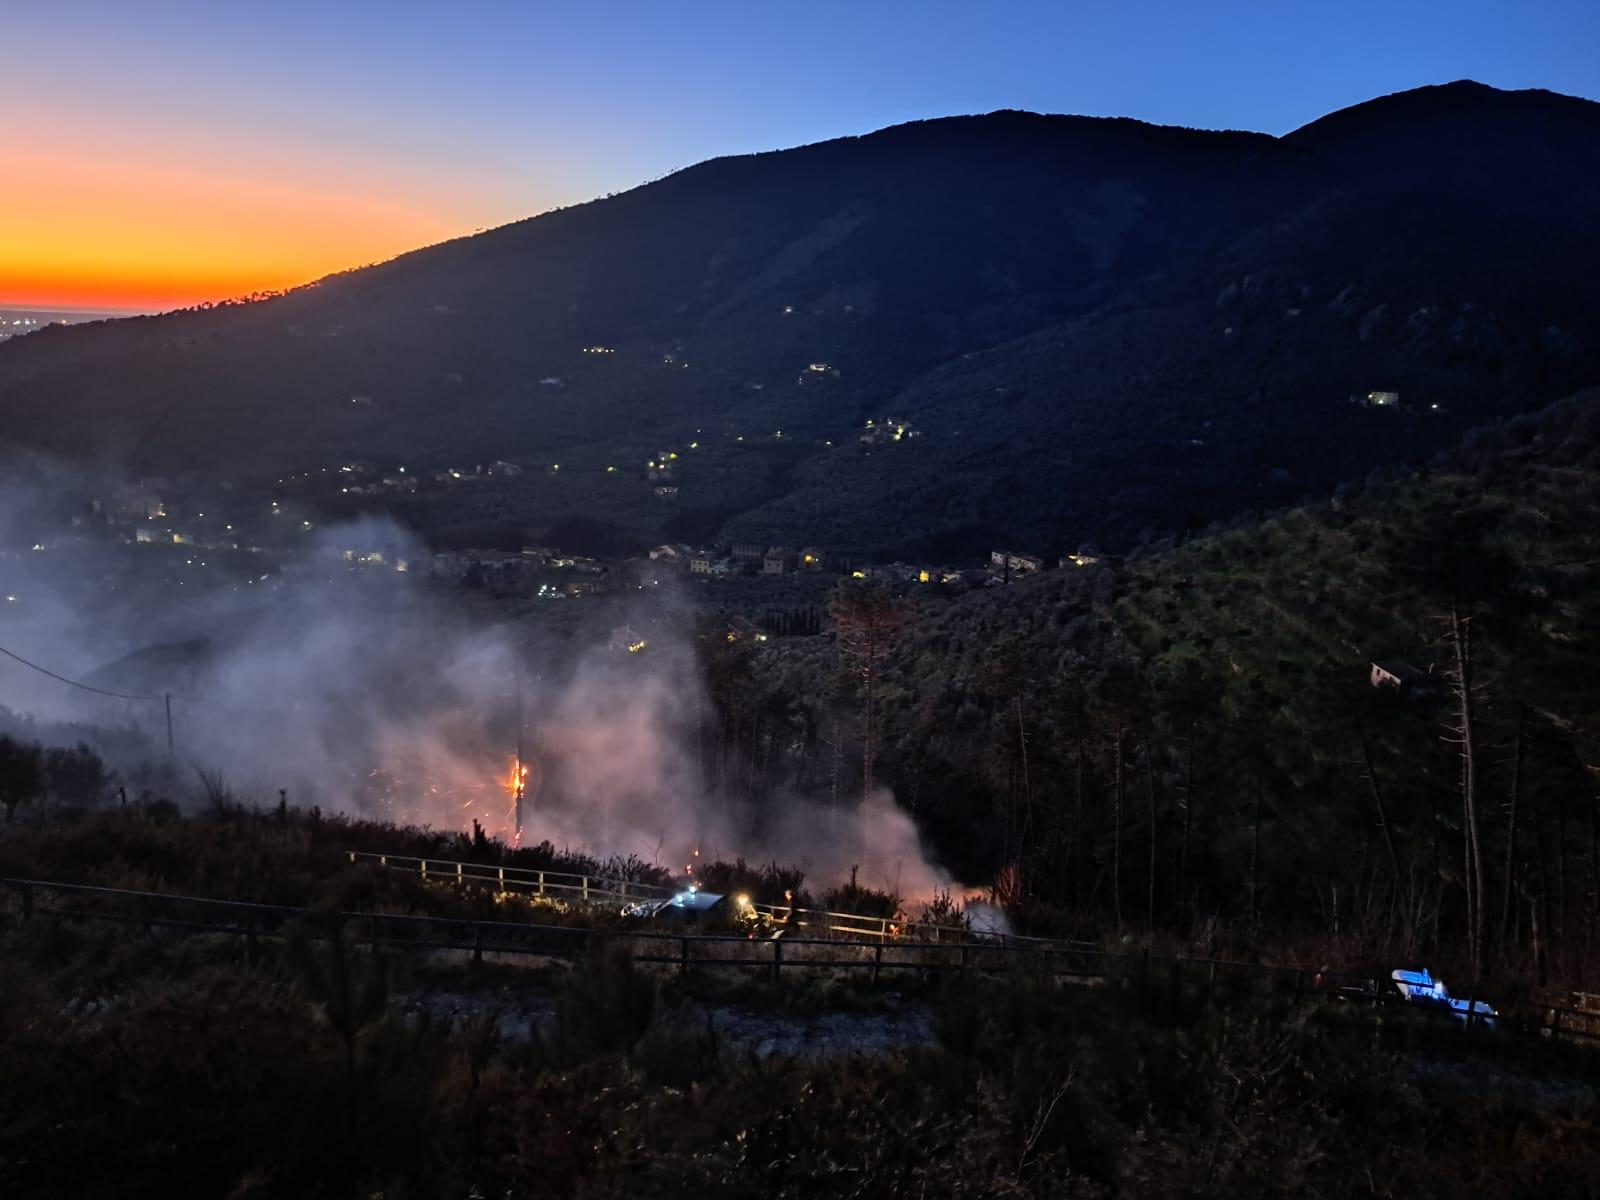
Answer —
(73, 682)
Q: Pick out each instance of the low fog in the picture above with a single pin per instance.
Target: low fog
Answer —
(368, 691)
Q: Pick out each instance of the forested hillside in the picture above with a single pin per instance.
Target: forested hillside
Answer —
(1192, 737)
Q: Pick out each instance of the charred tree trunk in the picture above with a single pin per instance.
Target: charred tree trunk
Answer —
(1541, 913)
(1377, 802)
(870, 669)
(1027, 786)
(1472, 867)
(1188, 820)
(1077, 822)
(1594, 882)
(1510, 888)
(1150, 805)
(1255, 856)
(838, 760)
(1561, 867)
(1118, 792)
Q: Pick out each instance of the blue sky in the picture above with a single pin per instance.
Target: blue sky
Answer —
(456, 116)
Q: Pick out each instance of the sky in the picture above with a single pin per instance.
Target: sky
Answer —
(160, 153)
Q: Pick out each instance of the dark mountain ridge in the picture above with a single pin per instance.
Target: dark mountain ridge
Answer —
(1096, 326)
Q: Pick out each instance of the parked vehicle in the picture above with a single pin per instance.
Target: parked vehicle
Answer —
(1420, 987)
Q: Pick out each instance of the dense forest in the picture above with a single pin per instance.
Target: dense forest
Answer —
(1192, 740)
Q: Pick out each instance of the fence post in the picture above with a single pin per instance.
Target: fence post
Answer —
(424, 868)
(1472, 1003)
(458, 875)
(586, 889)
(541, 883)
(777, 960)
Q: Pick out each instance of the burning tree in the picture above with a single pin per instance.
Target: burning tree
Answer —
(867, 621)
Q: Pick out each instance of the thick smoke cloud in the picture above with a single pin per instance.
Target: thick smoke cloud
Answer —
(365, 690)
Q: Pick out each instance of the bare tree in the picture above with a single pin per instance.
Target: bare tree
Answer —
(867, 621)
(1463, 686)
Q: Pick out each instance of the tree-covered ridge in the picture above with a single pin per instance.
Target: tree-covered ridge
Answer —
(1193, 737)
(1095, 328)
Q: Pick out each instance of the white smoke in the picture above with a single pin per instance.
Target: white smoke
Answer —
(362, 689)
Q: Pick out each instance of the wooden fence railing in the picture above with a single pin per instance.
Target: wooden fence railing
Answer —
(600, 890)
(32, 899)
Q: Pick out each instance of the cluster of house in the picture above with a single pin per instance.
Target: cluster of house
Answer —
(817, 371)
(143, 509)
(888, 430)
(1390, 400)
(751, 558)
(532, 571)
(132, 502)
(1397, 675)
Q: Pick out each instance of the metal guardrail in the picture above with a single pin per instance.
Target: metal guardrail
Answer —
(687, 952)
(594, 889)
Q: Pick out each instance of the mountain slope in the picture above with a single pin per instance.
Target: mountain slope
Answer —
(1132, 298)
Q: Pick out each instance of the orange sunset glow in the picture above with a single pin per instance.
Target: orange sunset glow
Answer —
(173, 237)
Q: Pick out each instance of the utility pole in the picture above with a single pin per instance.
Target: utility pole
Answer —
(520, 779)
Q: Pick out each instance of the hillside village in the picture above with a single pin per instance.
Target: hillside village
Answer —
(169, 534)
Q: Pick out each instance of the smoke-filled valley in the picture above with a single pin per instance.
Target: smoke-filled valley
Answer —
(367, 691)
